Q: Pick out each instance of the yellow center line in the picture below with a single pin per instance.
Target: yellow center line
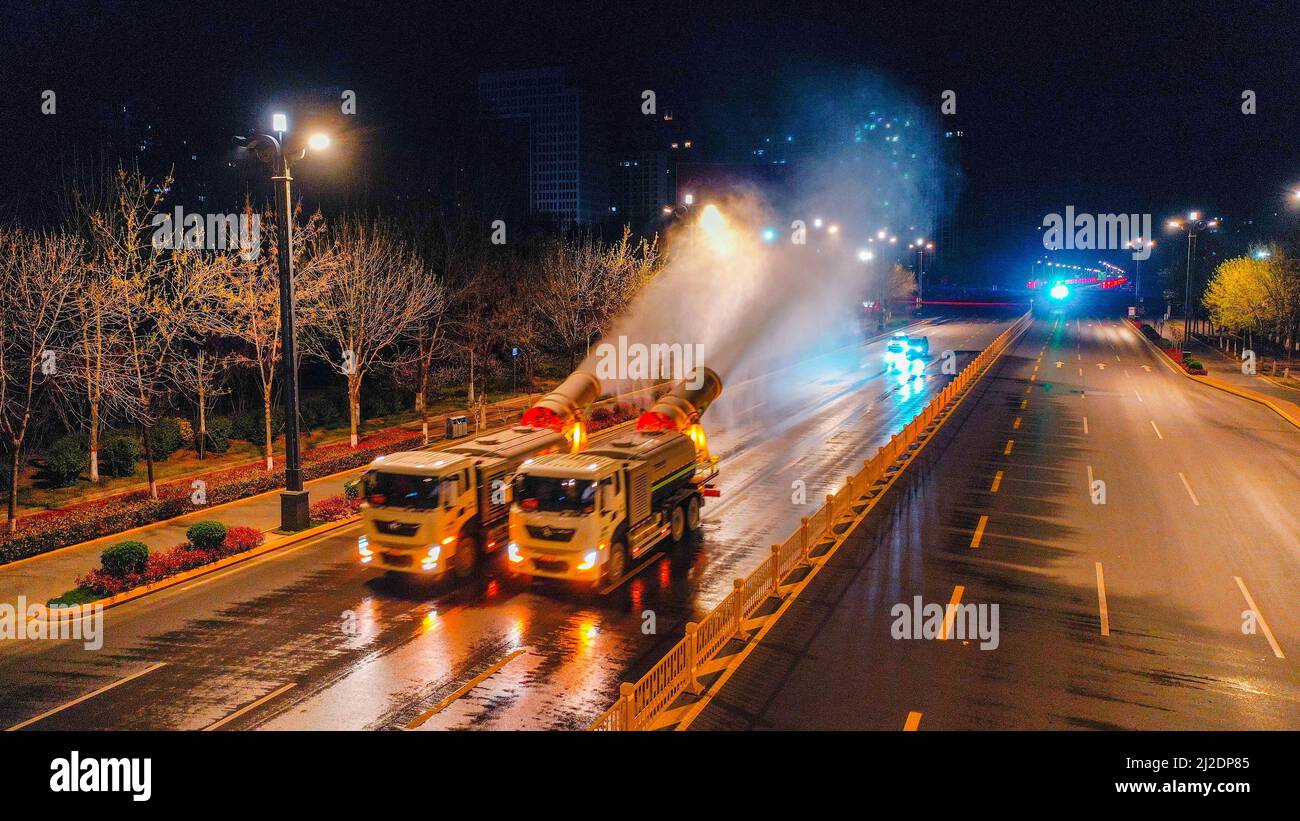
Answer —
(1259, 617)
(1016, 424)
(465, 688)
(1010, 444)
(89, 695)
(1033, 377)
(997, 482)
(1188, 485)
(950, 613)
(913, 722)
(1101, 601)
(1156, 429)
(250, 707)
(1024, 403)
(979, 531)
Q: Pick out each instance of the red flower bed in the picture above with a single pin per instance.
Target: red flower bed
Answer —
(334, 509)
(82, 522)
(170, 562)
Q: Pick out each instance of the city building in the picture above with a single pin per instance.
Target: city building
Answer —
(567, 173)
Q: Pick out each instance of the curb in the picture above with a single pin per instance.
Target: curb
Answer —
(1244, 393)
(203, 570)
(694, 710)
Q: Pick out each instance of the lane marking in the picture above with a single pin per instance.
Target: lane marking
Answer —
(1140, 399)
(250, 707)
(89, 695)
(1016, 424)
(1089, 478)
(1081, 372)
(997, 482)
(1157, 430)
(1101, 601)
(950, 612)
(913, 722)
(465, 688)
(979, 531)
(1010, 444)
(1250, 602)
(1033, 377)
(1188, 485)
(1024, 403)
(1085, 424)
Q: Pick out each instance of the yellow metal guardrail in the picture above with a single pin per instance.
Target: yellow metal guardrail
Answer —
(640, 703)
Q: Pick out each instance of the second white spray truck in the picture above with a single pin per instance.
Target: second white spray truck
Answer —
(589, 516)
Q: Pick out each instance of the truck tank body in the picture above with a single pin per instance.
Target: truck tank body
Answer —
(659, 464)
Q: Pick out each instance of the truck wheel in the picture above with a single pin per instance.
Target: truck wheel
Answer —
(677, 523)
(616, 566)
(466, 558)
(693, 514)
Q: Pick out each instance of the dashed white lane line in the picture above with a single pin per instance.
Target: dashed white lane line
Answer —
(250, 706)
(1259, 617)
(1190, 492)
(89, 695)
(1101, 601)
(1156, 429)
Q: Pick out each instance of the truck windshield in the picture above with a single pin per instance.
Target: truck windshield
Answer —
(555, 495)
(402, 490)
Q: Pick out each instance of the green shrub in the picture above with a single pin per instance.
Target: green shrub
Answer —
(219, 433)
(124, 558)
(65, 461)
(186, 428)
(118, 456)
(166, 438)
(319, 412)
(252, 426)
(206, 535)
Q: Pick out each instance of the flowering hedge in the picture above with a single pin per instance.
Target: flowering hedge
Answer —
(335, 508)
(170, 562)
(82, 522)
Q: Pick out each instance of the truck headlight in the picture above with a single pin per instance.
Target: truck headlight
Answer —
(588, 561)
(512, 550)
(431, 561)
(363, 549)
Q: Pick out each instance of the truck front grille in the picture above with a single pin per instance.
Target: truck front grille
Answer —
(550, 534)
(397, 528)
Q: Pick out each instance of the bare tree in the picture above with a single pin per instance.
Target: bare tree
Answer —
(245, 304)
(372, 295)
(38, 285)
(157, 296)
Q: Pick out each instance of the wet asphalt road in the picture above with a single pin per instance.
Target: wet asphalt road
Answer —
(305, 638)
(1199, 530)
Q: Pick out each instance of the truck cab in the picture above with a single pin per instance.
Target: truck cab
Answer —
(588, 516)
(435, 513)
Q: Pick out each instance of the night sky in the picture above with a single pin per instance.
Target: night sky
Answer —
(1111, 108)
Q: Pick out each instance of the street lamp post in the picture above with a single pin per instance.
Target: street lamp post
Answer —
(921, 246)
(1138, 245)
(1192, 226)
(295, 510)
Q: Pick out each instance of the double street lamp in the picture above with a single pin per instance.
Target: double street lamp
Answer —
(920, 246)
(1192, 225)
(295, 512)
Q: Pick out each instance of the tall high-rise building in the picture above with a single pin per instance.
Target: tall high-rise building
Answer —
(567, 172)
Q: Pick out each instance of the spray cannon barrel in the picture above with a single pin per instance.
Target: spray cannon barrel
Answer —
(680, 408)
(562, 408)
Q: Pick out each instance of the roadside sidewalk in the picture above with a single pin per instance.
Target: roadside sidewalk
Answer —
(1224, 372)
(47, 575)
